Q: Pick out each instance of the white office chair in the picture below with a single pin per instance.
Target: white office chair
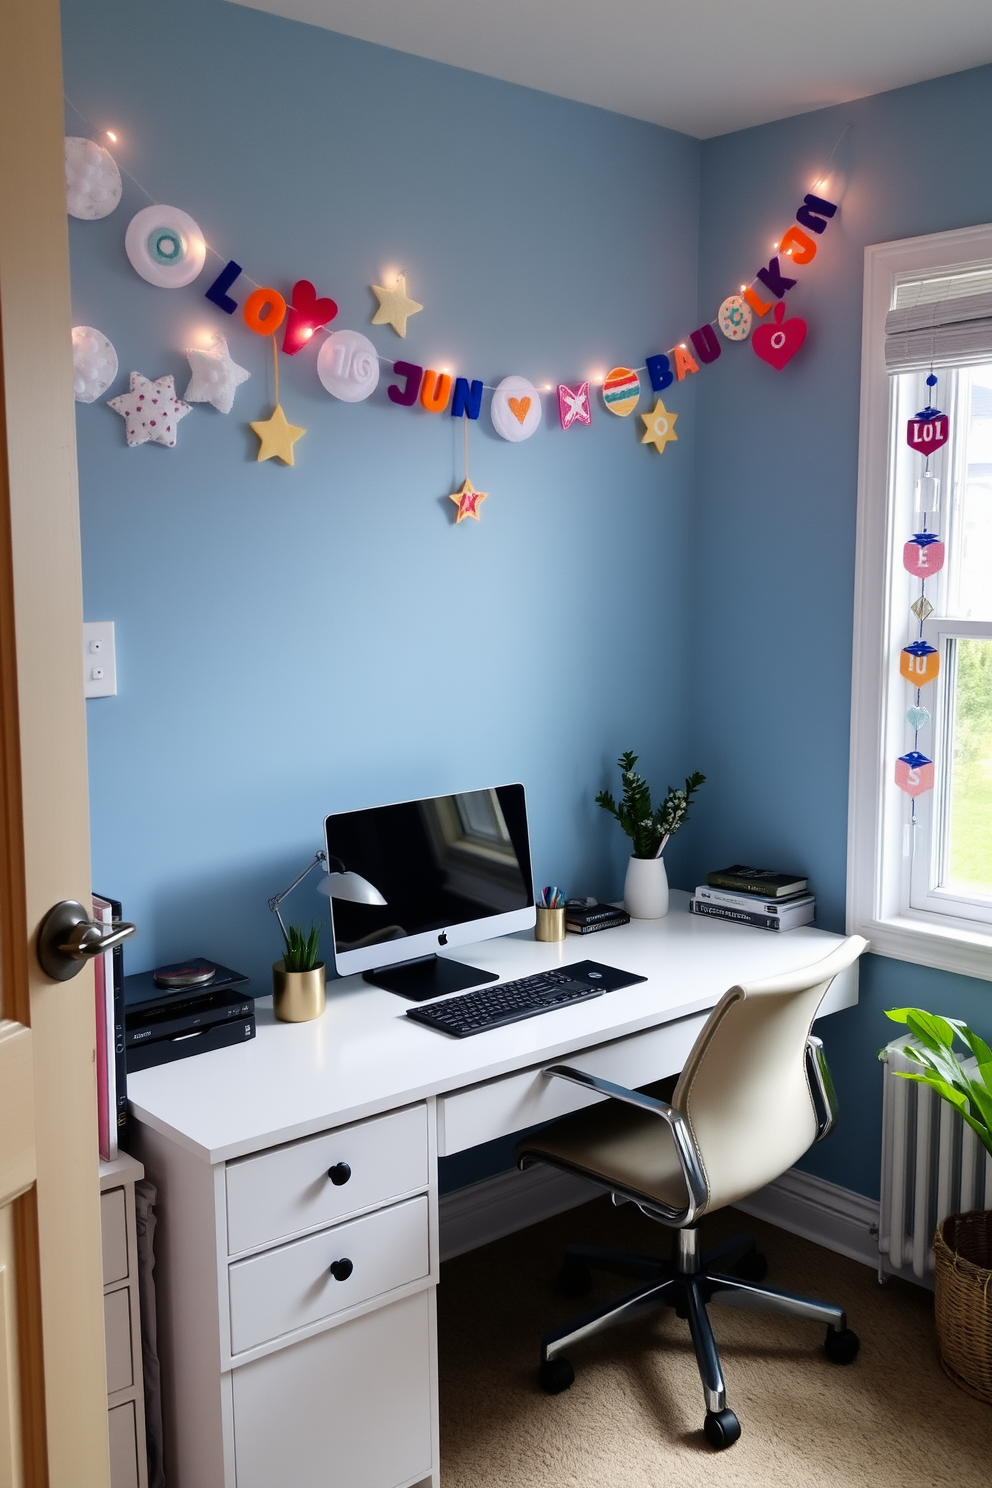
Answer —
(754, 1095)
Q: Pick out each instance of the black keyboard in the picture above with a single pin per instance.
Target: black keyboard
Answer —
(509, 1002)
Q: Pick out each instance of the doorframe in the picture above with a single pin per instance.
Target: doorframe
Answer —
(45, 825)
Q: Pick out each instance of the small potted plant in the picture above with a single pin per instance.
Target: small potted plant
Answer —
(962, 1246)
(298, 980)
(645, 892)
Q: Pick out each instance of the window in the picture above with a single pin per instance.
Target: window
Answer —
(920, 868)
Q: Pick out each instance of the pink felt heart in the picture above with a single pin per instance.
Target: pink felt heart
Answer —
(304, 315)
(779, 343)
(519, 407)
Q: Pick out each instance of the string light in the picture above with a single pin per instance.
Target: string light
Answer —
(392, 274)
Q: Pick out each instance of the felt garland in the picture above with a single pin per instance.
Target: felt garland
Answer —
(166, 248)
(923, 557)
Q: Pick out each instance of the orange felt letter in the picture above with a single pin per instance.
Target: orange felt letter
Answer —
(758, 306)
(799, 245)
(264, 312)
(435, 391)
(685, 362)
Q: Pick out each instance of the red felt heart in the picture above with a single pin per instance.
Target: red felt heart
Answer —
(304, 315)
(779, 343)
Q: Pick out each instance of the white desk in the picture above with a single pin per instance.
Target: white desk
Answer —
(275, 1372)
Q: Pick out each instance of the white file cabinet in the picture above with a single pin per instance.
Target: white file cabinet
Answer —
(122, 1320)
(296, 1309)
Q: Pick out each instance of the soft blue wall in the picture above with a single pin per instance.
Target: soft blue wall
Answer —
(297, 641)
(774, 524)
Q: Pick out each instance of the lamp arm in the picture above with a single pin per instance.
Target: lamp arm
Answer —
(276, 900)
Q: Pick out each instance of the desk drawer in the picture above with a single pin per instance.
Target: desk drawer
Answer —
(515, 1102)
(288, 1288)
(287, 1190)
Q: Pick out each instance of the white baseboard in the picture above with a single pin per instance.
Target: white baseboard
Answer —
(831, 1216)
(825, 1213)
(510, 1201)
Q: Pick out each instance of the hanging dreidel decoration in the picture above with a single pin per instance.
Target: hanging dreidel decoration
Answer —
(923, 557)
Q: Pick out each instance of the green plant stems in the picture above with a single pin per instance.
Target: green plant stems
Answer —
(648, 830)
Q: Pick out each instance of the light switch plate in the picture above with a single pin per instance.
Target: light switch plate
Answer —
(99, 659)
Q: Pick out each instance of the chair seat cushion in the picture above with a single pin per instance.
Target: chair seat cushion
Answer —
(616, 1145)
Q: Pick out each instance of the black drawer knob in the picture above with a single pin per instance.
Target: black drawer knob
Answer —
(342, 1269)
(340, 1173)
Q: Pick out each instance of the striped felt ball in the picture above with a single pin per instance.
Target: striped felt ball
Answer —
(621, 391)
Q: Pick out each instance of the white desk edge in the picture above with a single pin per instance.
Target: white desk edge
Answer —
(364, 1056)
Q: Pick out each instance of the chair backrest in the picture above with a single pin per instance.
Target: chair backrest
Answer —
(745, 1091)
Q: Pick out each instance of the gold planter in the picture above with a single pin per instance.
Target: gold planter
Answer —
(297, 996)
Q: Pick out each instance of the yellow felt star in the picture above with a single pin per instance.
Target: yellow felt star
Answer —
(395, 305)
(469, 500)
(278, 436)
(660, 427)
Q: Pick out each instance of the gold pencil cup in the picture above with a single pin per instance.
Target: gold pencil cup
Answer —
(298, 996)
(550, 924)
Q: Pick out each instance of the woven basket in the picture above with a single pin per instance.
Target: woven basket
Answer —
(962, 1250)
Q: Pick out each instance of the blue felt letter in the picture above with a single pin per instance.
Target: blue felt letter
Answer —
(217, 293)
(467, 400)
(660, 372)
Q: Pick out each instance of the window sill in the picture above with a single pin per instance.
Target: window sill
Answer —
(924, 940)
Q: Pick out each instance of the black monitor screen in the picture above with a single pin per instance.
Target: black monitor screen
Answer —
(437, 863)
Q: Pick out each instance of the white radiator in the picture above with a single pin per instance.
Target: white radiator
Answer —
(932, 1165)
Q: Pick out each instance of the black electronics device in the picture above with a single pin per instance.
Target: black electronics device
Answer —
(162, 1024)
(509, 1002)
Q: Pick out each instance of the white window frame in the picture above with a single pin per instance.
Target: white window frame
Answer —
(878, 865)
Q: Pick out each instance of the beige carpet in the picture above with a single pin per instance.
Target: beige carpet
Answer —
(633, 1417)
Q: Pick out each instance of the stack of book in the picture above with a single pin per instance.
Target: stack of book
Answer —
(755, 896)
(583, 918)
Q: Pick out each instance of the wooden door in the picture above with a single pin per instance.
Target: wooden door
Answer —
(53, 1408)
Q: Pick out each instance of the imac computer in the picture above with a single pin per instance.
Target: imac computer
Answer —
(407, 879)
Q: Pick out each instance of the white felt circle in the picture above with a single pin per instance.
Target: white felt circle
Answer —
(348, 366)
(92, 180)
(734, 318)
(516, 409)
(165, 246)
(94, 363)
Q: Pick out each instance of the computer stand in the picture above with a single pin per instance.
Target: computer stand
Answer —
(428, 976)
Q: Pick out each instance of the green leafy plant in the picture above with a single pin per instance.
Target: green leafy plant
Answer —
(968, 1091)
(302, 946)
(648, 830)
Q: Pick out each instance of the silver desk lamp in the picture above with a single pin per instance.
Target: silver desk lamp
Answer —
(338, 885)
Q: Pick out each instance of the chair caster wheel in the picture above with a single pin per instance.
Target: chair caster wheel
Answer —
(841, 1347)
(722, 1429)
(555, 1376)
(574, 1279)
(752, 1266)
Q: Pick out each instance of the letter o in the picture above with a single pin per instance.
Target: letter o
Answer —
(265, 311)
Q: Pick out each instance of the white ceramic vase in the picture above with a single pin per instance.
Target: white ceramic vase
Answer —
(645, 889)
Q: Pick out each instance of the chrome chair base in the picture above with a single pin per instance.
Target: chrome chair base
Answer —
(689, 1282)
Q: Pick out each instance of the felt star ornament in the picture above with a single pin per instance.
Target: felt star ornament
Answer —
(278, 436)
(395, 305)
(150, 410)
(660, 427)
(215, 376)
(469, 500)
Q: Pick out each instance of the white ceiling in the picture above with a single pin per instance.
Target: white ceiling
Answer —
(703, 66)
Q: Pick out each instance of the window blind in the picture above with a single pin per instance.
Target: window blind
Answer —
(944, 320)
